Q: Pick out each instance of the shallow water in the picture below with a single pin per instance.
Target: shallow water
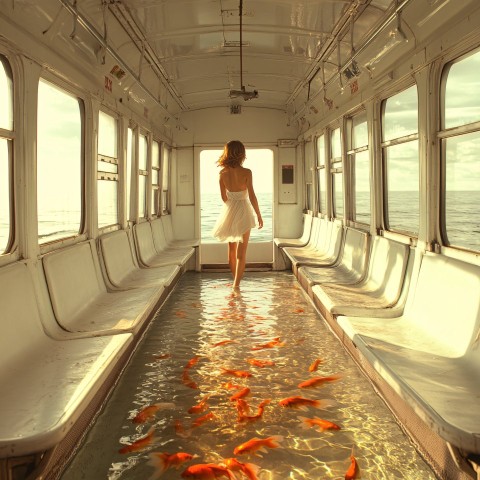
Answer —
(201, 313)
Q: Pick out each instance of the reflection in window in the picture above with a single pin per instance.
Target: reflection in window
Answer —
(59, 163)
(142, 176)
(129, 166)
(321, 166)
(336, 169)
(460, 146)
(400, 156)
(107, 170)
(155, 178)
(359, 158)
(6, 139)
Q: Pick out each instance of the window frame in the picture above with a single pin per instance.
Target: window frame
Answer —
(336, 167)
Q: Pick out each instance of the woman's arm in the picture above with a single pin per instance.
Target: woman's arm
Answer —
(253, 198)
(223, 189)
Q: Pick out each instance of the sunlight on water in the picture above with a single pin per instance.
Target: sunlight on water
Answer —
(202, 330)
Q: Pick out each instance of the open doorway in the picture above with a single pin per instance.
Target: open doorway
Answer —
(260, 161)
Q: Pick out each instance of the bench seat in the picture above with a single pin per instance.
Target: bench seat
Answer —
(430, 355)
(350, 268)
(166, 221)
(46, 384)
(297, 242)
(80, 300)
(151, 255)
(122, 270)
(378, 291)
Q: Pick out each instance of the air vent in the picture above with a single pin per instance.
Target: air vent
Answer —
(235, 109)
(286, 142)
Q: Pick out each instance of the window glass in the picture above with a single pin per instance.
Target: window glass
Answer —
(6, 148)
(6, 96)
(155, 178)
(59, 163)
(462, 190)
(322, 206)
(360, 130)
(129, 166)
(401, 114)
(401, 163)
(166, 181)
(362, 187)
(335, 144)
(142, 174)
(338, 195)
(462, 102)
(336, 169)
(107, 170)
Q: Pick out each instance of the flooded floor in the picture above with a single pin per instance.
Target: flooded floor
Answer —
(204, 347)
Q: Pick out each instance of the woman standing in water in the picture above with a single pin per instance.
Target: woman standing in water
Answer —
(237, 217)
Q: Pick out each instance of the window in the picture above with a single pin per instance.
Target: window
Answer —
(321, 176)
(142, 176)
(166, 181)
(460, 146)
(336, 169)
(360, 167)
(6, 139)
(107, 170)
(400, 157)
(155, 178)
(129, 166)
(308, 164)
(59, 163)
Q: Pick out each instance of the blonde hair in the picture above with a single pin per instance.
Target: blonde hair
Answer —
(233, 154)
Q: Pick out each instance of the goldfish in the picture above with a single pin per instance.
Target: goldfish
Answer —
(252, 418)
(314, 365)
(242, 407)
(302, 403)
(231, 386)
(250, 470)
(141, 443)
(255, 445)
(149, 412)
(273, 343)
(193, 361)
(207, 471)
(319, 423)
(299, 310)
(223, 342)
(240, 394)
(318, 381)
(180, 430)
(187, 381)
(163, 461)
(204, 418)
(200, 406)
(236, 373)
(260, 363)
(353, 471)
(180, 314)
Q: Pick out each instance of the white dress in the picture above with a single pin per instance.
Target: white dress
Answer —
(236, 218)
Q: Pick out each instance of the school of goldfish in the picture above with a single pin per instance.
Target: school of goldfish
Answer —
(242, 406)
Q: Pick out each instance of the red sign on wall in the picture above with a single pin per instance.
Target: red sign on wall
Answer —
(108, 84)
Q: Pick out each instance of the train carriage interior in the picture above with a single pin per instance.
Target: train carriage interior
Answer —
(361, 123)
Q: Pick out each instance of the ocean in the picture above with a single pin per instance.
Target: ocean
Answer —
(462, 213)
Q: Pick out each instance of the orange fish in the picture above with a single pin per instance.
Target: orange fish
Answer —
(194, 360)
(204, 418)
(319, 423)
(299, 310)
(255, 445)
(223, 342)
(260, 363)
(180, 431)
(353, 470)
(252, 418)
(236, 373)
(207, 471)
(231, 386)
(250, 470)
(200, 406)
(302, 403)
(273, 343)
(314, 366)
(149, 412)
(164, 461)
(180, 314)
(318, 381)
(187, 381)
(141, 443)
(242, 407)
(240, 394)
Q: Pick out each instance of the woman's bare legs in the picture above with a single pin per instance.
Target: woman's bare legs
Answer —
(232, 256)
(241, 259)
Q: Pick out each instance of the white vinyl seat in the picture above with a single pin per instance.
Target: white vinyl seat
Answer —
(302, 240)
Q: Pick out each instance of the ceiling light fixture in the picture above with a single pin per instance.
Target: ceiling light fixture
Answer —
(243, 93)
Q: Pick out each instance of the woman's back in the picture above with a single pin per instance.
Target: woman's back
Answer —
(235, 179)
